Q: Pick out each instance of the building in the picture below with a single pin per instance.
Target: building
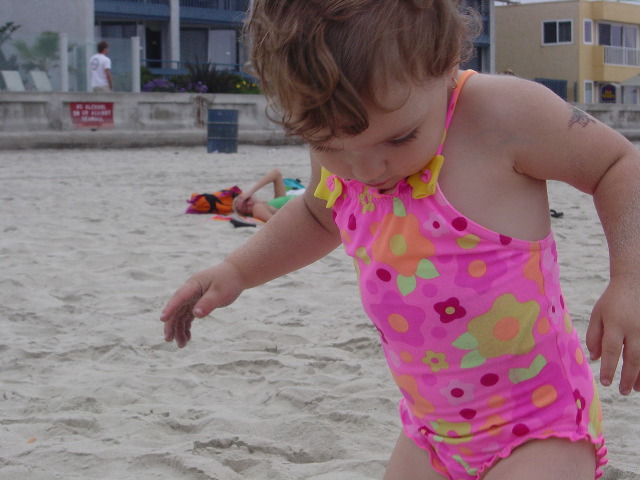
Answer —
(171, 33)
(484, 58)
(586, 51)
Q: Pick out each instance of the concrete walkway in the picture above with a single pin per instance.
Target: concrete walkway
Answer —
(160, 138)
(129, 139)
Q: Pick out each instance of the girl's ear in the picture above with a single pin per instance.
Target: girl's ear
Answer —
(454, 74)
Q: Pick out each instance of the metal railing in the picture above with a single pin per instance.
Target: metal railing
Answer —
(234, 5)
(629, 57)
(152, 2)
(168, 68)
(183, 66)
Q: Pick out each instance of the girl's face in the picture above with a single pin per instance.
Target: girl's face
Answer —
(397, 144)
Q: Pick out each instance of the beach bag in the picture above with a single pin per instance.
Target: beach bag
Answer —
(220, 202)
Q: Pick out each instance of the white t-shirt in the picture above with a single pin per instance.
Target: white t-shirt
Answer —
(98, 64)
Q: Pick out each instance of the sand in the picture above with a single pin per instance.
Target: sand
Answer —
(93, 243)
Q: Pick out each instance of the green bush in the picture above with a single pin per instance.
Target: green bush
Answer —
(220, 81)
(200, 75)
(145, 76)
(217, 81)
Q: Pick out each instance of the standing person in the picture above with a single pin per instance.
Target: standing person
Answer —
(100, 65)
(436, 185)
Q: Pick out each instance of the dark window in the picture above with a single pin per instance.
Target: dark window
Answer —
(550, 32)
(564, 32)
(555, 32)
(118, 30)
(604, 33)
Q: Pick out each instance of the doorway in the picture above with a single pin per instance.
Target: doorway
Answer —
(153, 47)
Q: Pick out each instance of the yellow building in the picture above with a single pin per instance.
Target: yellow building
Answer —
(586, 51)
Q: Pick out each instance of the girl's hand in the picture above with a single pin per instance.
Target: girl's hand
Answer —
(207, 290)
(614, 329)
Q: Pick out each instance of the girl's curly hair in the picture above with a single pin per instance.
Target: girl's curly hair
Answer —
(321, 61)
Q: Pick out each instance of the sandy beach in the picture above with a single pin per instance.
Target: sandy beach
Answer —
(94, 241)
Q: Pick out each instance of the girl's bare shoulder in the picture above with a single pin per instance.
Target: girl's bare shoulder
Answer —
(542, 135)
(508, 101)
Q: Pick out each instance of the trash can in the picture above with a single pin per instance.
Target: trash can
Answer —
(222, 131)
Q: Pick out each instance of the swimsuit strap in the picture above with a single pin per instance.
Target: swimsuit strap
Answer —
(452, 105)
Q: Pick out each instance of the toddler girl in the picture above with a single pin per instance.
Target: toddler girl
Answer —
(434, 181)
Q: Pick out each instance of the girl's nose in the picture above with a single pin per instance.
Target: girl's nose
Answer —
(368, 168)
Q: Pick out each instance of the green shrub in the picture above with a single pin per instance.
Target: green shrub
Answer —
(202, 78)
(220, 81)
(145, 76)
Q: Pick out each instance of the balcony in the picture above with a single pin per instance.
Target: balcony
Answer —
(138, 9)
(224, 13)
(621, 56)
(211, 12)
(607, 64)
(234, 5)
(148, 2)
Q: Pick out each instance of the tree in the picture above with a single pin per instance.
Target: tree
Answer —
(6, 31)
(43, 54)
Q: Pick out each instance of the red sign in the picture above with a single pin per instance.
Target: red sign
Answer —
(91, 114)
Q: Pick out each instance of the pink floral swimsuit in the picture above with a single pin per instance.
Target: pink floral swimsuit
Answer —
(473, 323)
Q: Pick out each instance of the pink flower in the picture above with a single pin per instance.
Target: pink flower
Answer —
(449, 310)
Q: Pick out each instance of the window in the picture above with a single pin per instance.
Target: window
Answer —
(618, 35)
(193, 45)
(223, 48)
(118, 30)
(557, 32)
(587, 28)
(620, 43)
(630, 95)
(588, 91)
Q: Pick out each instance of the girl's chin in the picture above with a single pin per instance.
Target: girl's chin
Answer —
(386, 185)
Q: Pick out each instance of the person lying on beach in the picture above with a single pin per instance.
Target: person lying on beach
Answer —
(246, 204)
(434, 180)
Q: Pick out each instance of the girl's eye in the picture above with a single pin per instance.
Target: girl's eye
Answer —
(320, 148)
(399, 142)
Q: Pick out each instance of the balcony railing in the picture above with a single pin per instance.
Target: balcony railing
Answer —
(629, 57)
(235, 5)
(152, 2)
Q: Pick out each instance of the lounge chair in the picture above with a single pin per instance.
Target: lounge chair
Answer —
(40, 80)
(12, 81)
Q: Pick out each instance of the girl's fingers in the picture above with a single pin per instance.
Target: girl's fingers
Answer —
(611, 350)
(594, 336)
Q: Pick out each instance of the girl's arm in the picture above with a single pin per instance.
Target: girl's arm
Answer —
(614, 328)
(300, 233)
(552, 140)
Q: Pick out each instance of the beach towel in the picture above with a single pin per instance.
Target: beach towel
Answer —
(293, 184)
(238, 221)
(217, 202)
